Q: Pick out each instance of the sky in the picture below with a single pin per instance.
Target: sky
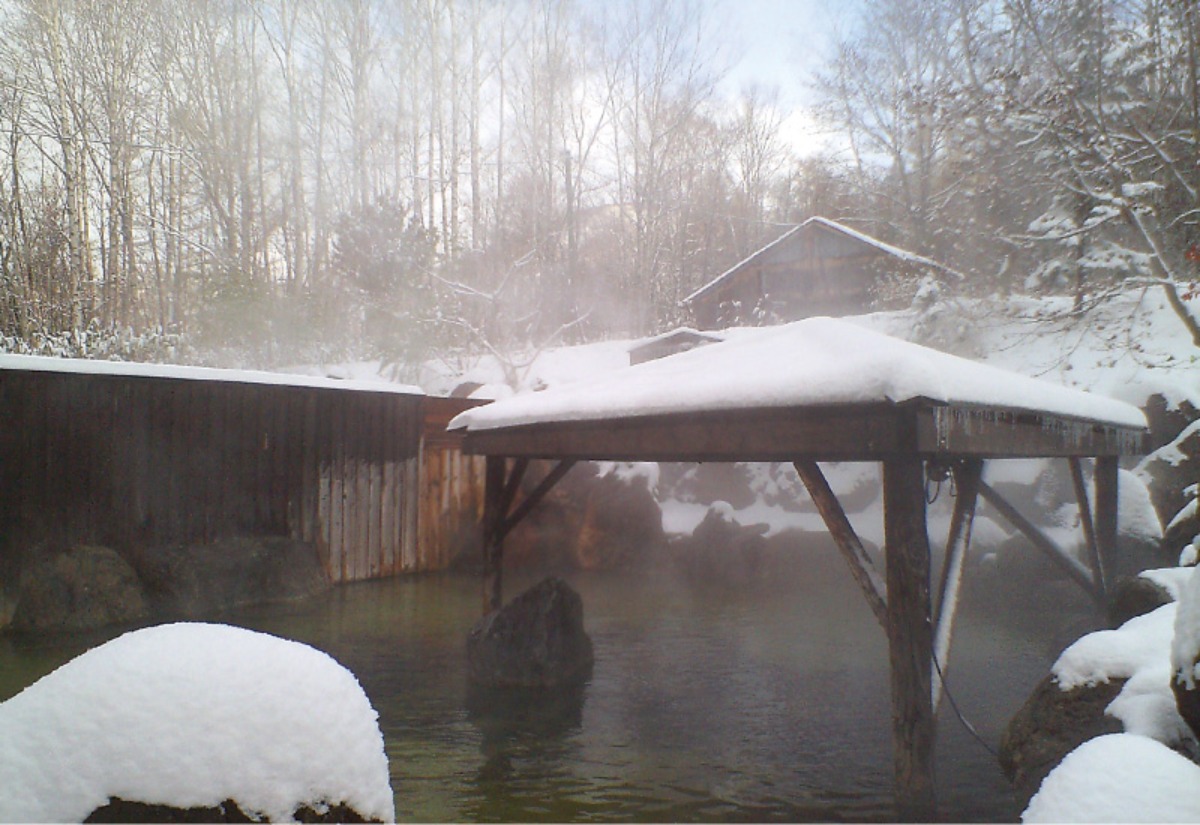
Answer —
(778, 44)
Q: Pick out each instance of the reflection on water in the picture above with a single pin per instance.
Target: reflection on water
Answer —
(705, 704)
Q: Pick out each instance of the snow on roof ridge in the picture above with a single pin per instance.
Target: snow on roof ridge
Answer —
(829, 223)
(137, 369)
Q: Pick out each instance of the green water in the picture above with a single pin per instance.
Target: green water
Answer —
(706, 703)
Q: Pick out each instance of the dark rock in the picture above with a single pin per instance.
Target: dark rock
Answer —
(1133, 596)
(536, 641)
(620, 522)
(1166, 424)
(122, 810)
(1181, 532)
(192, 581)
(1169, 470)
(722, 551)
(586, 522)
(83, 588)
(1187, 701)
(1051, 724)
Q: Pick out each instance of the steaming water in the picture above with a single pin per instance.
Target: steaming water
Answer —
(707, 703)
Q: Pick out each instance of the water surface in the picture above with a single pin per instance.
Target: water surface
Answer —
(707, 703)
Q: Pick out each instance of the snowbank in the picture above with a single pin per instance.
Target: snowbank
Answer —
(190, 715)
(1121, 777)
(1134, 776)
(814, 362)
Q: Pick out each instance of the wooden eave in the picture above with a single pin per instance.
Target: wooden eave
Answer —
(854, 432)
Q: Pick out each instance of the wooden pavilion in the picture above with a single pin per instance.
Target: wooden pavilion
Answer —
(826, 390)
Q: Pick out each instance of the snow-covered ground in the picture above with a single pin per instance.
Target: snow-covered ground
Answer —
(190, 715)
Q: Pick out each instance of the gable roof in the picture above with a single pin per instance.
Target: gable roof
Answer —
(827, 225)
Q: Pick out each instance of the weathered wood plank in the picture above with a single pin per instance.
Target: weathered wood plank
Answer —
(992, 433)
(845, 433)
(910, 638)
(387, 491)
(306, 525)
(324, 502)
(847, 541)
(835, 434)
(337, 493)
(411, 501)
(376, 460)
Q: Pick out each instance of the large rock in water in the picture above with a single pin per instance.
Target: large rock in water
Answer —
(721, 551)
(83, 588)
(588, 521)
(198, 580)
(535, 641)
(1051, 724)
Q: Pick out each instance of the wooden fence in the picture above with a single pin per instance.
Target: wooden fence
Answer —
(137, 457)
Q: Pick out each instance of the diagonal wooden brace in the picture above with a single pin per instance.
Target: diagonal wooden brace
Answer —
(966, 482)
(864, 572)
(1068, 563)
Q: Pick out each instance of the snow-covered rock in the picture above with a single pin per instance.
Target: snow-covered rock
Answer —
(192, 715)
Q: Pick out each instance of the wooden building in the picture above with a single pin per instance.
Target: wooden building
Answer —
(136, 456)
(819, 267)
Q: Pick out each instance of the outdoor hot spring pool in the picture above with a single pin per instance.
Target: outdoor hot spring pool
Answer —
(707, 703)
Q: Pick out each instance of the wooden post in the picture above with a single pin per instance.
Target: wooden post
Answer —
(910, 635)
(1106, 513)
(1089, 529)
(493, 535)
(966, 481)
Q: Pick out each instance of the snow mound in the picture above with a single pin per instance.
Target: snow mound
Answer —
(190, 715)
(1120, 777)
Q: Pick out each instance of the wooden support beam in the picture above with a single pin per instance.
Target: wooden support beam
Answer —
(910, 636)
(1099, 578)
(1106, 483)
(966, 482)
(847, 541)
(1068, 563)
(493, 538)
(513, 484)
(500, 489)
(538, 493)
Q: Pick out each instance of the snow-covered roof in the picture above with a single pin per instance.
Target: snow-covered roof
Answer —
(886, 248)
(80, 366)
(816, 362)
